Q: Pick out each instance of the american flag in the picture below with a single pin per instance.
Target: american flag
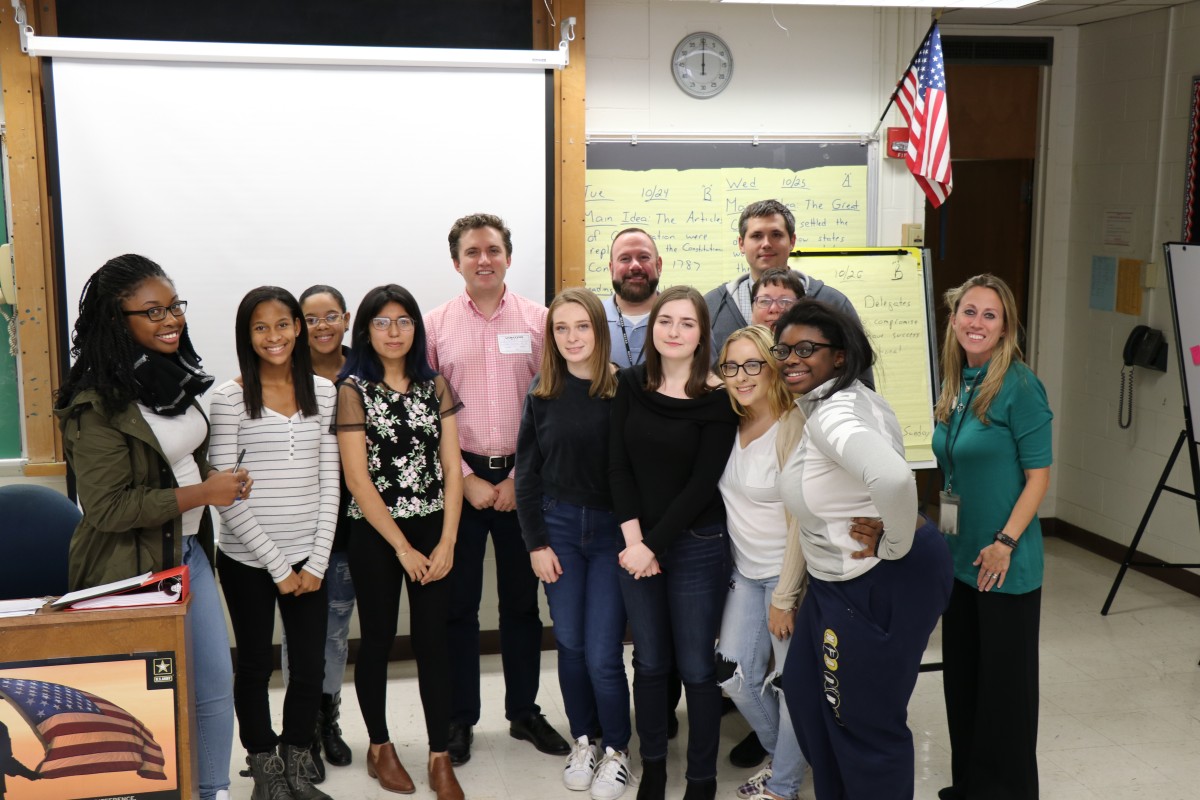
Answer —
(922, 99)
(83, 734)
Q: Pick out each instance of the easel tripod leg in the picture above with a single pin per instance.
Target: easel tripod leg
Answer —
(1137, 537)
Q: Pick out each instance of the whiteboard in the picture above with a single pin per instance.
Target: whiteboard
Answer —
(232, 176)
(1183, 276)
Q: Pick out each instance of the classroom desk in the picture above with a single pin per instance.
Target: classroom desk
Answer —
(124, 631)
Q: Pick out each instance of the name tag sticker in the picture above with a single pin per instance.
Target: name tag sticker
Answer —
(511, 343)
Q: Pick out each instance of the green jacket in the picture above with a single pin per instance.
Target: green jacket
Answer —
(131, 519)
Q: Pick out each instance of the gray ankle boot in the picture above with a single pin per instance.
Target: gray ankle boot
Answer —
(269, 781)
(299, 770)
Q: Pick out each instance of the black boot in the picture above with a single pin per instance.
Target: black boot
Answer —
(298, 770)
(653, 785)
(698, 790)
(269, 782)
(337, 752)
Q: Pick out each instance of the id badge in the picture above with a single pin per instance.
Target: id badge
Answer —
(949, 512)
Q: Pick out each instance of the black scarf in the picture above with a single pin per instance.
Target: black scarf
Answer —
(167, 384)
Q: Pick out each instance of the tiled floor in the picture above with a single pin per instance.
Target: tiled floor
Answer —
(1120, 706)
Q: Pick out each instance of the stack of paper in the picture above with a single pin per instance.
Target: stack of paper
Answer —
(21, 608)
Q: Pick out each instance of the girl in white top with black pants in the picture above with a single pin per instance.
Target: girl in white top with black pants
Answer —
(274, 547)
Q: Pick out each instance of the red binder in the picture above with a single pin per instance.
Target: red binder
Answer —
(151, 589)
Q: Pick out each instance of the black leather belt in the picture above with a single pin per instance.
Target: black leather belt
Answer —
(476, 461)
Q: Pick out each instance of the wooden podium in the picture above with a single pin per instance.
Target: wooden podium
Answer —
(124, 631)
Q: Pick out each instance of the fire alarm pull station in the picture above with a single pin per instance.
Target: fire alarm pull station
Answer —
(897, 142)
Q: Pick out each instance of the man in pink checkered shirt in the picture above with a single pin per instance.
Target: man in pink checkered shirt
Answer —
(487, 343)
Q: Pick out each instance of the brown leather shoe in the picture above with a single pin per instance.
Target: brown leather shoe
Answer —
(441, 777)
(386, 767)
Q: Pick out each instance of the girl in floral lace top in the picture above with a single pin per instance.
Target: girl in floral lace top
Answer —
(399, 446)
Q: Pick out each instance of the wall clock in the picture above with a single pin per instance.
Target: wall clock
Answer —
(702, 65)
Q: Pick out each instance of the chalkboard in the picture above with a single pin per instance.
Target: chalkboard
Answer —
(1183, 274)
(688, 195)
(891, 288)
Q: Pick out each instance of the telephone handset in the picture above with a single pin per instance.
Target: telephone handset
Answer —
(1145, 347)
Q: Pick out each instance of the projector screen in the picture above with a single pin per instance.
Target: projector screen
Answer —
(234, 175)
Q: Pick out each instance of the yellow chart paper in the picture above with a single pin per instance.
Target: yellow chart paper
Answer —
(887, 288)
(693, 215)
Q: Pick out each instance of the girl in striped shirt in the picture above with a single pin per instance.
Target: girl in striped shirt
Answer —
(274, 547)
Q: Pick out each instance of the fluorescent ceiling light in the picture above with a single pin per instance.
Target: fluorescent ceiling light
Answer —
(897, 3)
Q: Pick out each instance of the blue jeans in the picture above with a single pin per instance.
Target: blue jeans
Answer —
(340, 590)
(675, 617)
(212, 672)
(589, 620)
(743, 653)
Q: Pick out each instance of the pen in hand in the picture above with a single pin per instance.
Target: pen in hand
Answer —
(236, 466)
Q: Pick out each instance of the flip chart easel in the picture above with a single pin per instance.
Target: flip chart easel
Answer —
(1183, 279)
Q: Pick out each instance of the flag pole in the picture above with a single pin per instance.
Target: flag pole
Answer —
(900, 82)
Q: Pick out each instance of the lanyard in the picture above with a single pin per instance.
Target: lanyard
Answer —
(961, 411)
(624, 335)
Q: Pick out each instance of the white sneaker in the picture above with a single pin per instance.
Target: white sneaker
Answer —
(754, 787)
(612, 776)
(581, 765)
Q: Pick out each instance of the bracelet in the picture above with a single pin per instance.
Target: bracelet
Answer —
(1005, 539)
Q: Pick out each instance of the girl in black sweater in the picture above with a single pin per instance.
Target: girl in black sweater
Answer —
(672, 432)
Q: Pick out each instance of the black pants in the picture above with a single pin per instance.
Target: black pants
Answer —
(251, 595)
(520, 621)
(378, 581)
(990, 679)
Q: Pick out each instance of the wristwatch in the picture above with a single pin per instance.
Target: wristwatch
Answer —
(1005, 539)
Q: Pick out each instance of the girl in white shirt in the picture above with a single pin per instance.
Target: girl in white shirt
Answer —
(275, 546)
(757, 620)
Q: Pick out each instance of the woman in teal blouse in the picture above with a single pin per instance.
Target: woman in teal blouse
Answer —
(992, 442)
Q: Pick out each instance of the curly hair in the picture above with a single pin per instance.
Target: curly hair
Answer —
(101, 345)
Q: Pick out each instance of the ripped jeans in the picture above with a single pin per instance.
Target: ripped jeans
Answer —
(743, 655)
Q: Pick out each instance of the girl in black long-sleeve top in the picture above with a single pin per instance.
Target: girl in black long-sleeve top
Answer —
(672, 434)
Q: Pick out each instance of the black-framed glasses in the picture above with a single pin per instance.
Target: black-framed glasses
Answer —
(384, 323)
(159, 313)
(802, 348)
(766, 302)
(330, 319)
(730, 368)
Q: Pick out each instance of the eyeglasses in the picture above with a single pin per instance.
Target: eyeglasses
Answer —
(766, 302)
(803, 348)
(730, 368)
(331, 319)
(159, 313)
(385, 323)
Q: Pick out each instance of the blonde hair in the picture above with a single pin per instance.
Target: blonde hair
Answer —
(779, 398)
(554, 366)
(1006, 352)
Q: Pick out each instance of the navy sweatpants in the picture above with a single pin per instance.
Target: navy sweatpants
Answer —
(853, 665)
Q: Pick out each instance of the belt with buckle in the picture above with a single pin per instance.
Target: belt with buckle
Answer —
(491, 462)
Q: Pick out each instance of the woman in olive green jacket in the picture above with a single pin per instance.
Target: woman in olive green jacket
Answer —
(136, 441)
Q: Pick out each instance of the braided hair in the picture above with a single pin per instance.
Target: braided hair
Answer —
(102, 348)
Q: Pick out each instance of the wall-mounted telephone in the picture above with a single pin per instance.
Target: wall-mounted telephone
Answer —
(1145, 347)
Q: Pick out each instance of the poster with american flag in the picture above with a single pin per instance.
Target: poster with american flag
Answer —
(96, 729)
(922, 99)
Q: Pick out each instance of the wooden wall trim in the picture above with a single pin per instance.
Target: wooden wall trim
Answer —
(1182, 579)
(32, 232)
(570, 129)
